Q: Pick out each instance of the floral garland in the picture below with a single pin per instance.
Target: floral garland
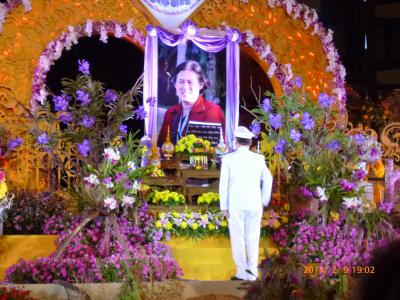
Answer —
(55, 48)
(310, 19)
(6, 8)
(282, 73)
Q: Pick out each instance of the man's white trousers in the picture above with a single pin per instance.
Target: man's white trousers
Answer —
(244, 230)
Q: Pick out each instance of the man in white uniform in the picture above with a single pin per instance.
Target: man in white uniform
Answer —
(244, 188)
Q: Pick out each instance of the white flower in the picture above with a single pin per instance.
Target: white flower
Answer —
(109, 185)
(296, 11)
(316, 29)
(27, 5)
(352, 202)
(129, 27)
(91, 179)
(118, 30)
(289, 71)
(249, 37)
(271, 70)
(72, 35)
(271, 3)
(320, 193)
(112, 155)
(89, 28)
(265, 51)
(103, 34)
(135, 185)
(127, 200)
(110, 203)
(131, 166)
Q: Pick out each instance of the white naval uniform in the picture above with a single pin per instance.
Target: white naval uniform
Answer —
(244, 188)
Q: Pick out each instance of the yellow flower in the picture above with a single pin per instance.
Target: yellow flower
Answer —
(286, 207)
(195, 226)
(161, 215)
(3, 189)
(189, 215)
(224, 224)
(334, 216)
(183, 225)
(211, 226)
(319, 168)
(175, 214)
(204, 217)
(276, 224)
(158, 224)
(168, 226)
(306, 167)
(284, 219)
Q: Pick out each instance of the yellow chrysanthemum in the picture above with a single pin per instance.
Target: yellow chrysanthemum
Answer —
(276, 224)
(286, 207)
(284, 219)
(175, 214)
(158, 224)
(3, 189)
(195, 226)
(211, 226)
(189, 215)
(168, 226)
(161, 215)
(334, 216)
(224, 224)
(184, 225)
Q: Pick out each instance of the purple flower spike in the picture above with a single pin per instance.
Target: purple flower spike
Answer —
(88, 121)
(123, 129)
(110, 96)
(83, 97)
(359, 138)
(325, 100)
(61, 102)
(65, 117)
(140, 113)
(15, 143)
(280, 147)
(275, 120)
(295, 135)
(43, 138)
(266, 105)
(255, 128)
(84, 148)
(307, 121)
(334, 145)
(84, 67)
(298, 82)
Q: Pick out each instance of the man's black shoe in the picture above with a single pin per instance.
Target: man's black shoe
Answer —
(248, 271)
(236, 278)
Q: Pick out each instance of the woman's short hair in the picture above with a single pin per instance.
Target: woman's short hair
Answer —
(194, 66)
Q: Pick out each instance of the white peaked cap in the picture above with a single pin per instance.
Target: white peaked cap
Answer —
(244, 133)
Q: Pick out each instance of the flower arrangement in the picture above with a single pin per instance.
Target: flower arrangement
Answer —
(115, 182)
(168, 198)
(193, 144)
(209, 199)
(89, 258)
(30, 212)
(322, 161)
(273, 218)
(191, 224)
(88, 116)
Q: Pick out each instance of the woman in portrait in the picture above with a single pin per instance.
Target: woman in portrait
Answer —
(189, 82)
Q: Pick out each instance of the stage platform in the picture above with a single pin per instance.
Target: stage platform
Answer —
(205, 259)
